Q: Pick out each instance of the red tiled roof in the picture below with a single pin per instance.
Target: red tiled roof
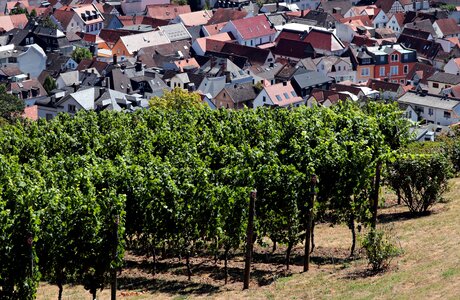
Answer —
(385, 5)
(383, 85)
(111, 36)
(323, 95)
(319, 39)
(226, 14)
(136, 20)
(31, 113)
(19, 21)
(362, 40)
(448, 26)
(254, 27)
(166, 11)
(365, 20)
(255, 56)
(64, 16)
(92, 63)
(281, 90)
(214, 28)
(292, 48)
(298, 13)
(400, 17)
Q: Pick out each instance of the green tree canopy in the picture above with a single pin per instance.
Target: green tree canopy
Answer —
(49, 84)
(177, 99)
(10, 106)
(80, 53)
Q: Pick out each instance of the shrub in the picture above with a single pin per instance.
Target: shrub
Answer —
(379, 249)
(420, 179)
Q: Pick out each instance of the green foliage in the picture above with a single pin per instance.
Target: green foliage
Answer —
(176, 177)
(177, 99)
(81, 53)
(449, 7)
(379, 249)
(47, 22)
(11, 106)
(420, 179)
(18, 11)
(49, 84)
(33, 13)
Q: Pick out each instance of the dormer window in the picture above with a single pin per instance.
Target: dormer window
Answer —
(394, 57)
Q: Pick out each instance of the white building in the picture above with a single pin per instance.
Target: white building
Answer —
(434, 109)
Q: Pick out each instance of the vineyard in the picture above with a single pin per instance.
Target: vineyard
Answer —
(76, 192)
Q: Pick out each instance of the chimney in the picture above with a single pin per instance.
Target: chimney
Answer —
(115, 59)
(302, 13)
(101, 92)
(139, 66)
(284, 83)
(128, 90)
(227, 76)
(75, 87)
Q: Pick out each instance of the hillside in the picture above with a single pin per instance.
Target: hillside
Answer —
(429, 267)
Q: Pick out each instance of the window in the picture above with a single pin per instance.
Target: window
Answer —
(394, 70)
(322, 67)
(406, 56)
(402, 81)
(382, 58)
(406, 69)
(435, 85)
(339, 68)
(286, 95)
(49, 117)
(278, 97)
(264, 98)
(293, 94)
(447, 114)
(430, 111)
(71, 108)
(382, 71)
(394, 57)
(365, 72)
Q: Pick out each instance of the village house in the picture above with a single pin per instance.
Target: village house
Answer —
(251, 31)
(280, 94)
(236, 96)
(392, 62)
(436, 109)
(441, 81)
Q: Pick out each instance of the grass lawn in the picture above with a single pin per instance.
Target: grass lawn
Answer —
(429, 268)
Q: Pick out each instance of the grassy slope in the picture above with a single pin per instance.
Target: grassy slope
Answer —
(429, 267)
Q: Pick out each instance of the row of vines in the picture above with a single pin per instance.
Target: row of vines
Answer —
(75, 191)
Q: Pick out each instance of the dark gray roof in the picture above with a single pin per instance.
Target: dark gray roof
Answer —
(277, 19)
(195, 32)
(310, 79)
(241, 92)
(445, 78)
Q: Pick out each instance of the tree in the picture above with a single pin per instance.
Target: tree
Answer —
(420, 179)
(33, 13)
(18, 11)
(47, 22)
(81, 53)
(177, 99)
(49, 84)
(11, 106)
